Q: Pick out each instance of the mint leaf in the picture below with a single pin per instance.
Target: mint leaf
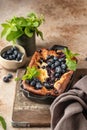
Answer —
(35, 24)
(17, 26)
(72, 65)
(70, 59)
(6, 29)
(28, 32)
(2, 122)
(39, 33)
(5, 32)
(14, 35)
(31, 73)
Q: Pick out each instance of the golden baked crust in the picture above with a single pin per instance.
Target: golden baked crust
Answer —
(59, 85)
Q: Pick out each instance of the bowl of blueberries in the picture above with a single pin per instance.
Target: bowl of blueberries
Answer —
(12, 57)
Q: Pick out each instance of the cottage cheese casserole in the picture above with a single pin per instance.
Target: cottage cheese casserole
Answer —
(53, 76)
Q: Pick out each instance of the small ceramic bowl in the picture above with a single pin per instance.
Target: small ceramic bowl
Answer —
(13, 64)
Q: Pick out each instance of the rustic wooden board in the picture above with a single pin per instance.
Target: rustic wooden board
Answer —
(27, 113)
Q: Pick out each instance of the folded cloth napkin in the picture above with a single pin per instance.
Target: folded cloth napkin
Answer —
(69, 110)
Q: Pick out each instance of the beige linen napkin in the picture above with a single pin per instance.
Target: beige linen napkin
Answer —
(69, 110)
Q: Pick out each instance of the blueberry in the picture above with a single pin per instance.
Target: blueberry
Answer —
(3, 55)
(52, 66)
(48, 57)
(12, 49)
(47, 85)
(38, 85)
(49, 63)
(9, 52)
(55, 58)
(19, 56)
(63, 71)
(57, 75)
(63, 66)
(37, 80)
(6, 79)
(9, 75)
(14, 56)
(10, 57)
(51, 60)
(15, 52)
(57, 63)
(33, 83)
(61, 59)
(58, 69)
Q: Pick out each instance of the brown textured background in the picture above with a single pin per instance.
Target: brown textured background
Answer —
(65, 24)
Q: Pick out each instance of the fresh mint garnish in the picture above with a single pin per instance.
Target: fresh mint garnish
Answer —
(31, 73)
(70, 59)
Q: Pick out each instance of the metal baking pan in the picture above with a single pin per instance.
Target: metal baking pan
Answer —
(48, 99)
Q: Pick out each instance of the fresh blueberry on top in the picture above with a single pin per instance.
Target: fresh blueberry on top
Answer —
(58, 69)
(49, 63)
(52, 66)
(57, 75)
(61, 59)
(63, 66)
(38, 85)
(33, 83)
(57, 63)
(55, 58)
(36, 79)
(51, 60)
(46, 85)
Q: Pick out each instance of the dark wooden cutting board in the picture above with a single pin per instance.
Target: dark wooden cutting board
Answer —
(27, 113)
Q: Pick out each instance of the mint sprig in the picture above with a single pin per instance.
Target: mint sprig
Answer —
(70, 59)
(2, 122)
(17, 26)
(31, 73)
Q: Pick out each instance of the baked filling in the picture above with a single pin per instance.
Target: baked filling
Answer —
(54, 74)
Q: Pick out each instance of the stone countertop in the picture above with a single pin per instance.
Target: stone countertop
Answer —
(65, 24)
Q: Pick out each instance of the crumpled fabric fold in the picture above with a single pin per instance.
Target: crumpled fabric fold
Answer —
(69, 110)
